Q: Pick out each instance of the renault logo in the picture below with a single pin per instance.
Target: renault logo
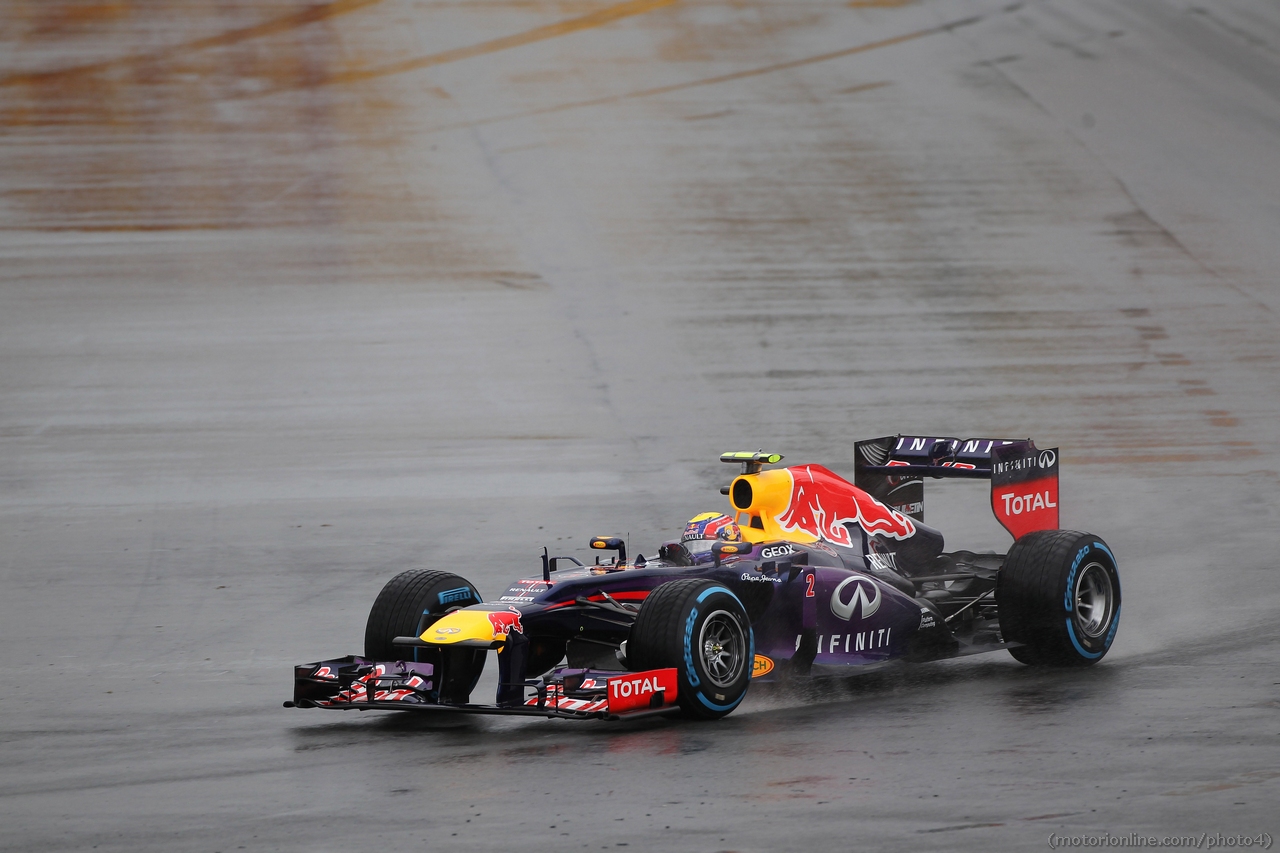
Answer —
(870, 602)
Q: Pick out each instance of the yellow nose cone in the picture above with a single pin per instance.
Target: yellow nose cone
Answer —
(471, 627)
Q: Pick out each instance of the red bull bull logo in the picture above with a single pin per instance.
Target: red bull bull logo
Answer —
(822, 503)
(506, 621)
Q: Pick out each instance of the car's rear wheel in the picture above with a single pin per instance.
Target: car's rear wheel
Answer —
(1059, 596)
(410, 602)
(700, 628)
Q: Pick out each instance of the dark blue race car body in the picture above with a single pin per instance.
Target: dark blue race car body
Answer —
(830, 577)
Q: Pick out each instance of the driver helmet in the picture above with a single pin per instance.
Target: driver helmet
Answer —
(706, 529)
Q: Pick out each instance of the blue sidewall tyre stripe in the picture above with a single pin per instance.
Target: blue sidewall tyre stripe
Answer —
(1115, 618)
(1114, 565)
(1071, 632)
(688, 650)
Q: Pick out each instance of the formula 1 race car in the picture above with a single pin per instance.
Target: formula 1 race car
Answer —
(810, 575)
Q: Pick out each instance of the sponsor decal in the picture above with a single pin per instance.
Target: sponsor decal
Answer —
(969, 447)
(462, 593)
(1015, 504)
(863, 641)
(776, 551)
(883, 562)
(525, 590)
(865, 598)
(822, 503)
(447, 630)
(325, 672)
(761, 665)
(1024, 507)
(1024, 488)
(1071, 578)
(637, 690)
(747, 576)
(926, 619)
(690, 673)
(505, 621)
(1046, 460)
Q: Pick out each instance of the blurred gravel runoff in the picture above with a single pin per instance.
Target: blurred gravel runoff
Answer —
(297, 295)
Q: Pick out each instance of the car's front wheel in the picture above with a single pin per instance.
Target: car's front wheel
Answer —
(700, 628)
(410, 602)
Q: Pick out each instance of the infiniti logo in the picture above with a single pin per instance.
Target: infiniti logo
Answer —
(870, 603)
(1047, 458)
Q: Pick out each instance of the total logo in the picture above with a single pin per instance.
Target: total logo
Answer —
(776, 551)
(625, 688)
(865, 599)
(1018, 504)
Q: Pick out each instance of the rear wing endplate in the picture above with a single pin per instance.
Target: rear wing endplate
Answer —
(1024, 479)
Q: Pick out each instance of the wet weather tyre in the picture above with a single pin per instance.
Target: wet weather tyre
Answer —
(410, 602)
(1058, 594)
(700, 628)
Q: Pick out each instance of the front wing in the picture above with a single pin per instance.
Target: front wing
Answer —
(354, 683)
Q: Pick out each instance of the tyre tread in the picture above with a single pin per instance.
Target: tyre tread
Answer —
(1028, 591)
(395, 606)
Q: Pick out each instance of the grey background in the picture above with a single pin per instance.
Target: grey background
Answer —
(294, 297)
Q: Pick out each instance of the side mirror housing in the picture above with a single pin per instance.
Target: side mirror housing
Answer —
(610, 543)
(720, 550)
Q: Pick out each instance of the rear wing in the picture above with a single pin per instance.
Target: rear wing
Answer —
(1024, 479)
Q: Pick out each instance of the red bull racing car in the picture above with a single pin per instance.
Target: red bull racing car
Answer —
(806, 575)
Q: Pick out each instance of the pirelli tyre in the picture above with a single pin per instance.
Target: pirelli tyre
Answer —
(700, 628)
(410, 602)
(1058, 594)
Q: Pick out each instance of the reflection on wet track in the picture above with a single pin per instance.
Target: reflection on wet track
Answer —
(296, 295)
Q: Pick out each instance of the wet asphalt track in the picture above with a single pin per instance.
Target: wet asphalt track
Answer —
(293, 297)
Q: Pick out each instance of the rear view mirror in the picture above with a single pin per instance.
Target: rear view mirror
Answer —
(610, 543)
